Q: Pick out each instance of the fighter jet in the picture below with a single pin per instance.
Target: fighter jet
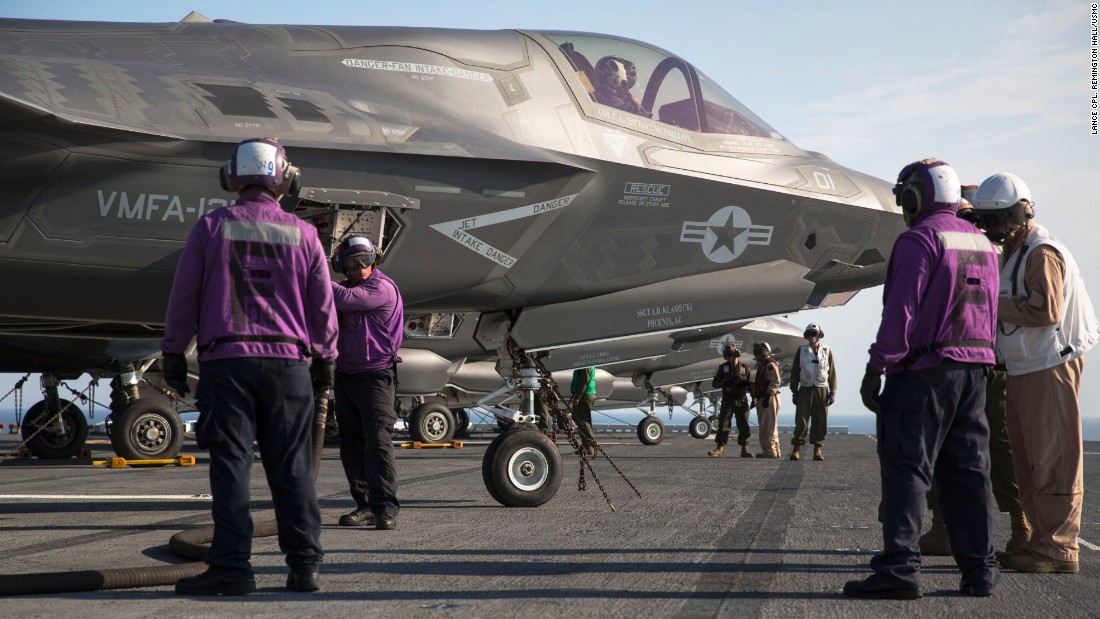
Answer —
(568, 187)
(690, 364)
(453, 373)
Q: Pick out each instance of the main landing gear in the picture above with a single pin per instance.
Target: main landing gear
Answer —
(651, 430)
(54, 429)
(144, 423)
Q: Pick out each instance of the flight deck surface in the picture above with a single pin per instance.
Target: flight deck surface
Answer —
(726, 537)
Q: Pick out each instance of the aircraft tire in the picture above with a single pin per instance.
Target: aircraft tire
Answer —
(713, 420)
(462, 422)
(699, 427)
(525, 468)
(51, 444)
(651, 431)
(432, 423)
(487, 469)
(146, 429)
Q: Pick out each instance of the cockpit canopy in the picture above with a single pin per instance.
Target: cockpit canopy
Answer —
(649, 83)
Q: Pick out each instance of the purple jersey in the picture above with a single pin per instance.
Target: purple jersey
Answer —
(372, 321)
(940, 298)
(252, 282)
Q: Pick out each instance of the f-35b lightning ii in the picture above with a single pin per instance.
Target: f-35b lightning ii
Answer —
(569, 188)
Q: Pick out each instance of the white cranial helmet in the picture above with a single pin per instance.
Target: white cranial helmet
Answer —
(1002, 204)
(1000, 191)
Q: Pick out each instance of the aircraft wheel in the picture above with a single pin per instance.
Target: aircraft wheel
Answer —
(522, 468)
(650, 430)
(487, 469)
(431, 423)
(332, 429)
(61, 439)
(146, 429)
(462, 422)
(699, 427)
(713, 419)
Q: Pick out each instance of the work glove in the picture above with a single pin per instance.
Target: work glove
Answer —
(174, 367)
(829, 399)
(322, 373)
(870, 388)
(794, 397)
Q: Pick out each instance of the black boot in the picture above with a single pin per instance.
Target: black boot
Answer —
(215, 581)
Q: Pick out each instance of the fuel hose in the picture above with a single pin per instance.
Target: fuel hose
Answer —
(189, 544)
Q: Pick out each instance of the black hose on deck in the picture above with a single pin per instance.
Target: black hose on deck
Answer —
(189, 544)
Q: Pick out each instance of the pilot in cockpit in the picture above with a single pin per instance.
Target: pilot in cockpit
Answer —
(615, 76)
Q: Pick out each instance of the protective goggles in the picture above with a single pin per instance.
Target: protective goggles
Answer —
(991, 219)
(356, 263)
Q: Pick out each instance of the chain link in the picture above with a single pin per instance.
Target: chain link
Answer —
(564, 417)
(81, 395)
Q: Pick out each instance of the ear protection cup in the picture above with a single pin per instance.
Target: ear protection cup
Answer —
(1020, 213)
(292, 181)
(910, 199)
(226, 179)
(337, 263)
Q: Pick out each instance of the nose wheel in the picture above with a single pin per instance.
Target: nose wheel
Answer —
(522, 468)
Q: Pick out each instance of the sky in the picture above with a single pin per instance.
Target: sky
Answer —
(988, 86)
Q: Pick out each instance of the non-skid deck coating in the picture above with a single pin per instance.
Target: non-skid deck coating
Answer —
(725, 537)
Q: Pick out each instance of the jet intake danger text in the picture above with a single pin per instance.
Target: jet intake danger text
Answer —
(664, 315)
(458, 230)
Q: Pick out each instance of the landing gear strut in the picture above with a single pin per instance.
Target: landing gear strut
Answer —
(701, 426)
(522, 467)
(144, 424)
(651, 431)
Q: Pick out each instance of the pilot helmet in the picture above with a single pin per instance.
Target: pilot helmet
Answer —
(999, 199)
(925, 186)
(761, 349)
(351, 247)
(617, 72)
(261, 162)
(813, 329)
(729, 351)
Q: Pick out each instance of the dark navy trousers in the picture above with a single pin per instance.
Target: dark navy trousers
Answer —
(932, 427)
(365, 414)
(269, 401)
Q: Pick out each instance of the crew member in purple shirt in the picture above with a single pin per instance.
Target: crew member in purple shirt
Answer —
(935, 344)
(372, 318)
(254, 289)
